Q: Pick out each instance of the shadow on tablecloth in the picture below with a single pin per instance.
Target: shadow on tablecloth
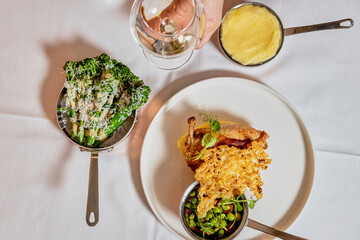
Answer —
(58, 53)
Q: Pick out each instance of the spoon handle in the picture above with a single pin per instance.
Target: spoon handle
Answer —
(92, 208)
(272, 231)
(344, 23)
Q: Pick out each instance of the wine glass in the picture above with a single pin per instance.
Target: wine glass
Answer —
(168, 31)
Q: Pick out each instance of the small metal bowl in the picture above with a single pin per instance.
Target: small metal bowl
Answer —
(239, 228)
(339, 24)
(280, 26)
(120, 134)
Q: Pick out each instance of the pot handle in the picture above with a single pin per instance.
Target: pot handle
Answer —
(92, 207)
(344, 23)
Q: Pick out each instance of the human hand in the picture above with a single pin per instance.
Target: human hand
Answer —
(213, 15)
(179, 11)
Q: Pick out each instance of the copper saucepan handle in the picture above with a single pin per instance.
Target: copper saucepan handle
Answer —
(344, 23)
(92, 208)
(272, 231)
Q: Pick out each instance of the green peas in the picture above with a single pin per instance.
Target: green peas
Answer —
(238, 216)
(209, 215)
(221, 233)
(217, 210)
(192, 223)
(218, 221)
(213, 221)
(231, 217)
(226, 207)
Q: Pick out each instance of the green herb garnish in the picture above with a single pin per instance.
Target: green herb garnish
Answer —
(221, 220)
(209, 139)
(251, 202)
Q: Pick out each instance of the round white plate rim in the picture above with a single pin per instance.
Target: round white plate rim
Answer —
(182, 93)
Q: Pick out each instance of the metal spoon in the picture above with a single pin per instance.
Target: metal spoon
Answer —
(340, 24)
(92, 208)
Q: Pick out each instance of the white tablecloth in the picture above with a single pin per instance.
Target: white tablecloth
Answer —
(43, 177)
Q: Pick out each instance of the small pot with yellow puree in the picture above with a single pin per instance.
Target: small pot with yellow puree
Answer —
(251, 34)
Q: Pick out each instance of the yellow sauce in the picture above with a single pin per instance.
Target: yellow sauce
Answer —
(251, 34)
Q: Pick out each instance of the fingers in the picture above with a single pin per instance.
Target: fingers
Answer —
(205, 39)
(213, 15)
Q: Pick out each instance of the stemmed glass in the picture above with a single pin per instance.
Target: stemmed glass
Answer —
(167, 31)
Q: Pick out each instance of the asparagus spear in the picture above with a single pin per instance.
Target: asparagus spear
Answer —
(75, 73)
(107, 88)
(106, 92)
(81, 105)
(71, 99)
(139, 95)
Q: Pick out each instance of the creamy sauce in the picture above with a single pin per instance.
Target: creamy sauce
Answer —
(251, 34)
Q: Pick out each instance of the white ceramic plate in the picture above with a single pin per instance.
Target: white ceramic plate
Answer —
(287, 181)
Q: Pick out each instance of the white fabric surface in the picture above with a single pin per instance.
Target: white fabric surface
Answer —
(43, 177)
